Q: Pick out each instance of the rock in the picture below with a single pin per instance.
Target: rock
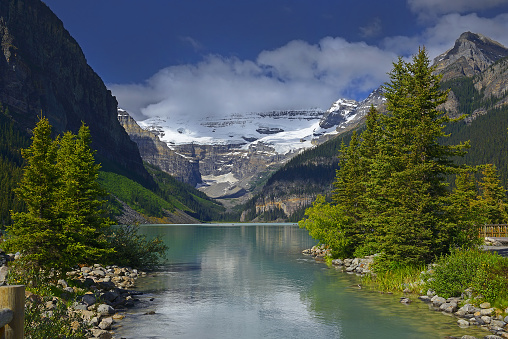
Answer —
(430, 293)
(497, 323)
(448, 307)
(101, 334)
(89, 299)
(3, 273)
(486, 319)
(437, 300)
(106, 323)
(405, 300)
(337, 262)
(485, 305)
(104, 309)
(492, 336)
(486, 311)
(6, 316)
(110, 296)
(468, 337)
(424, 298)
(463, 323)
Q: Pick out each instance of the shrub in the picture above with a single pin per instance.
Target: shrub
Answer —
(484, 272)
(132, 249)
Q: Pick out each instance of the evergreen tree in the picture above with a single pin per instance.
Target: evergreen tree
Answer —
(408, 189)
(492, 200)
(60, 227)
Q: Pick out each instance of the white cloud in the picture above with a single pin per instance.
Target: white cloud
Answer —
(442, 35)
(433, 8)
(295, 76)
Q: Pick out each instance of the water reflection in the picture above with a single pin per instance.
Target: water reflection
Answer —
(253, 282)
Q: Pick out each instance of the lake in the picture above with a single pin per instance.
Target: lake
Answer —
(251, 281)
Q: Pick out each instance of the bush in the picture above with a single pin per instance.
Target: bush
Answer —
(134, 250)
(485, 273)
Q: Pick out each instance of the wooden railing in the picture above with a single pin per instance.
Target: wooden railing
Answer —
(12, 311)
(494, 230)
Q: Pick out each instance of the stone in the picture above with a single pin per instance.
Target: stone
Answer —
(448, 307)
(110, 296)
(468, 337)
(498, 323)
(104, 309)
(89, 299)
(463, 323)
(405, 300)
(101, 334)
(486, 311)
(106, 324)
(486, 319)
(485, 305)
(6, 316)
(425, 298)
(430, 293)
(437, 301)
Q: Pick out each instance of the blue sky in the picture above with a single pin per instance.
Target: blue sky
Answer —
(202, 57)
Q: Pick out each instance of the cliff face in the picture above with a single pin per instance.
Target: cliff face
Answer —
(158, 153)
(44, 71)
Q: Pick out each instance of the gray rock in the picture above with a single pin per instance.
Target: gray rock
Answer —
(405, 300)
(6, 316)
(430, 293)
(101, 334)
(486, 319)
(89, 299)
(106, 323)
(463, 323)
(492, 336)
(110, 296)
(104, 309)
(486, 311)
(437, 301)
(497, 323)
(4, 270)
(468, 337)
(424, 298)
(485, 305)
(448, 307)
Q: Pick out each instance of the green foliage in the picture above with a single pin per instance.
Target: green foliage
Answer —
(197, 203)
(59, 322)
(135, 195)
(330, 225)
(132, 249)
(395, 279)
(485, 273)
(63, 224)
(391, 193)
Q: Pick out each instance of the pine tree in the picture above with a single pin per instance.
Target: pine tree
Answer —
(407, 189)
(62, 225)
(492, 200)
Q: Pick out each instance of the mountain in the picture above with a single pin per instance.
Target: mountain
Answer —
(476, 72)
(236, 153)
(472, 54)
(43, 71)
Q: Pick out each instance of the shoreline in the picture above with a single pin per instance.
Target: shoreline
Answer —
(482, 316)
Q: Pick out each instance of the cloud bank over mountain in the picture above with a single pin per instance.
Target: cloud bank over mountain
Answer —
(301, 75)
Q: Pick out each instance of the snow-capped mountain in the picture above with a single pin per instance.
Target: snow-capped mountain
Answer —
(234, 150)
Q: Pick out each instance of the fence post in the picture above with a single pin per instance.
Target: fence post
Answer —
(13, 297)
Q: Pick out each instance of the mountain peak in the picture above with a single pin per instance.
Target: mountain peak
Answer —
(471, 54)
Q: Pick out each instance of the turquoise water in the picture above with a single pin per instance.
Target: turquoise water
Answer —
(251, 281)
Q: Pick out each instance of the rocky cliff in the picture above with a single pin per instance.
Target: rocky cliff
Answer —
(471, 55)
(43, 71)
(157, 153)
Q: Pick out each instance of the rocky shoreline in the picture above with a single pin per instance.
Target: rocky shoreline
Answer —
(103, 293)
(483, 315)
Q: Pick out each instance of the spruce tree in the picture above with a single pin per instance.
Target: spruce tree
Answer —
(62, 224)
(407, 191)
(492, 200)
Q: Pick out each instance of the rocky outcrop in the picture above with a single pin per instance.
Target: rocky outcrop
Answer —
(471, 55)
(43, 71)
(158, 153)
